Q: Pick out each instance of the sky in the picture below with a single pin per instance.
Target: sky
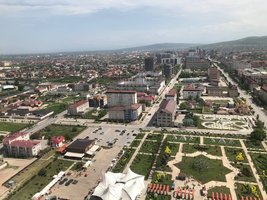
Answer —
(40, 26)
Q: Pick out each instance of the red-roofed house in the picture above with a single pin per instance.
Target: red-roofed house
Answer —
(57, 141)
(166, 113)
(20, 145)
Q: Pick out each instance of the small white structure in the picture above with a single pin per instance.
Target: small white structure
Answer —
(116, 186)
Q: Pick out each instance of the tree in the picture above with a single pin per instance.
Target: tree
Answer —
(258, 135)
(20, 87)
(42, 172)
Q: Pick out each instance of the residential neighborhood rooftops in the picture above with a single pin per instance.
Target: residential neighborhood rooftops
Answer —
(121, 91)
(24, 143)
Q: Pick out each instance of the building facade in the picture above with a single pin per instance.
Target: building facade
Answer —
(166, 114)
(78, 108)
(121, 97)
(149, 64)
(20, 145)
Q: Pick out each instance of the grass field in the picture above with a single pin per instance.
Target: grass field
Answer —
(37, 183)
(12, 127)
(150, 147)
(245, 174)
(135, 143)
(161, 178)
(252, 145)
(119, 167)
(140, 136)
(213, 150)
(142, 164)
(67, 131)
(260, 161)
(203, 169)
(231, 154)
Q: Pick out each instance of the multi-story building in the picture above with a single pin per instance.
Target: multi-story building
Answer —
(214, 75)
(172, 95)
(99, 101)
(195, 63)
(78, 108)
(121, 97)
(168, 70)
(125, 113)
(166, 114)
(192, 90)
(149, 64)
(20, 145)
(232, 91)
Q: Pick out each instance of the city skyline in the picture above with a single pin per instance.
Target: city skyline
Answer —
(44, 26)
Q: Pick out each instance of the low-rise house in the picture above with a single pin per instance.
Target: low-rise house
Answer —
(172, 95)
(57, 141)
(192, 90)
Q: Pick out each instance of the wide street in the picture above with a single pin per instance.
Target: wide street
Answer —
(247, 97)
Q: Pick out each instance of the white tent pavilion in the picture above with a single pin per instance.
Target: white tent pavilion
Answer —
(116, 186)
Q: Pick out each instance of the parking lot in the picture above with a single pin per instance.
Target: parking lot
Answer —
(88, 179)
(106, 135)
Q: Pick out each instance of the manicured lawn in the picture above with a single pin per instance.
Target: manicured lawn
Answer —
(119, 167)
(260, 162)
(185, 139)
(222, 189)
(232, 153)
(12, 127)
(161, 178)
(213, 150)
(158, 137)
(57, 107)
(56, 130)
(142, 164)
(252, 145)
(150, 147)
(245, 190)
(135, 143)
(174, 148)
(140, 136)
(203, 169)
(37, 183)
(93, 114)
(222, 142)
(245, 173)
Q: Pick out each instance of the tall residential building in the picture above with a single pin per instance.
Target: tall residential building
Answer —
(149, 64)
(213, 73)
(121, 97)
(166, 113)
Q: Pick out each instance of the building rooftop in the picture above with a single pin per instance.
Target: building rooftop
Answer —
(121, 91)
(172, 92)
(192, 87)
(168, 106)
(79, 103)
(57, 139)
(24, 143)
(79, 145)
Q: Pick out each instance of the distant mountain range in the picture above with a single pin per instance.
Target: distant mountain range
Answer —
(259, 42)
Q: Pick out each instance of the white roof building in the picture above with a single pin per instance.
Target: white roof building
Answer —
(116, 186)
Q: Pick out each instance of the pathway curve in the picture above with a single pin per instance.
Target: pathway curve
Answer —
(254, 171)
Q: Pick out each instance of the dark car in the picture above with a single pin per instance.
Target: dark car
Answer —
(68, 182)
(63, 181)
(75, 182)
